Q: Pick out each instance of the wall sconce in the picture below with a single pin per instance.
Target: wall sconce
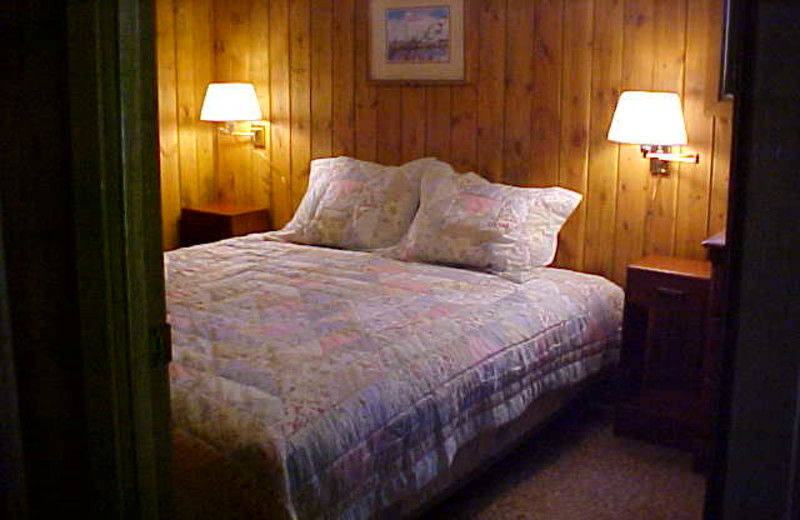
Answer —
(230, 103)
(653, 120)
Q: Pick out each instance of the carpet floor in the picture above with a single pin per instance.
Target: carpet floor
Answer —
(578, 469)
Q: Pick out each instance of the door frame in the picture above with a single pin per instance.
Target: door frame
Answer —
(125, 341)
(83, 342)
(757, 466)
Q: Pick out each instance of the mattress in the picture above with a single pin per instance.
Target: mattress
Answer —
(345, 383)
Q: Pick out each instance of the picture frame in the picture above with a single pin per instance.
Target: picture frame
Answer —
(730, 49)
(722, 50)
(417, 41)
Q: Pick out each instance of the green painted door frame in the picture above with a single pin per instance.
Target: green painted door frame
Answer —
(119, 265)
(83, 336)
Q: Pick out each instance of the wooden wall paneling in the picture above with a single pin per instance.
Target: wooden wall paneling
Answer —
(231, 39)
(546, 104)
(718, 208)
(414, 127)
(168, 123)
(389, 123)
(464, 102)
(280, 112)
(634, 177)
(261, 189)
(491, 89)
(519, 92)
(205, 133)
(601, 192)
(438, 110)
(300, 97)
(530, 118)
(232, 27)
(668, 76)
(722, 111)
(188, 105)
(366, 144)
(322, 78)
(344, 78)
(695, 179)
(575, 116)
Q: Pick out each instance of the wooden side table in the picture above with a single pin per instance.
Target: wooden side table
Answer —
(663, 351)
(216, 221)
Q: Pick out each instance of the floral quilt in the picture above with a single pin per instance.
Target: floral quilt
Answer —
(349, 380)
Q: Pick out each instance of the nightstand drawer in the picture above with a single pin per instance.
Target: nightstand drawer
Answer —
(651, 288)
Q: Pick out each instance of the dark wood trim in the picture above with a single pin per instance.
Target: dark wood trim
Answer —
(13, 495)
(149, 346)
(39, 256)
(120, 295)
(81, 264)
(756, 468)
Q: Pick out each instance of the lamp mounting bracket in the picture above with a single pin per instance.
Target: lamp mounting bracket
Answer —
(660, 156)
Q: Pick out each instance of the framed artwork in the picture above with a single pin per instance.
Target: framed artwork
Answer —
(730, 48)
(721, 70)
(417, 41)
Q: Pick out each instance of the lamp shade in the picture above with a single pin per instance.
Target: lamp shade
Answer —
(654, 118)
(230, 102)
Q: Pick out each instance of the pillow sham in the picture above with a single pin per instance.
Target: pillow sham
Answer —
(465, 220)
(355, 204)
(320, 172)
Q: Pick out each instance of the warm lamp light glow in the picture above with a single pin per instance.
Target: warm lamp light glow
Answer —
(653, 118)
(654, 121)
(230, 102)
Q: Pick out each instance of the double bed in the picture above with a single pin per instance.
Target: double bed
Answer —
(323, 382)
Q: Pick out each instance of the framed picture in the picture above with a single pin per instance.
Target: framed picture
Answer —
(730, 48)
(723, 38)
(417, 41)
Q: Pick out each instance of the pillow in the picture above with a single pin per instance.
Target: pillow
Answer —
(354, 204)
(318, 177)
(465, 220)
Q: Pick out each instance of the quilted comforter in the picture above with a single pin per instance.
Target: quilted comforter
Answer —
(346, 382)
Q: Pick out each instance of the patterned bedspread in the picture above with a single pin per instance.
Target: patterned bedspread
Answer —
(351, 380)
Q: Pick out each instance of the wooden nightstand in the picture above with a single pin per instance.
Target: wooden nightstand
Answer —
(212, 222)
(663, 351)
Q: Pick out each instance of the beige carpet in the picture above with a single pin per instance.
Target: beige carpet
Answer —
(577, 469)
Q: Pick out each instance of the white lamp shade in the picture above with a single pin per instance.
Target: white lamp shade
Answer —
(230, 102)
(648, 118)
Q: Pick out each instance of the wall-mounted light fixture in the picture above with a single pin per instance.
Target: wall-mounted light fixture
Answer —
(231, 103)
(653, 120)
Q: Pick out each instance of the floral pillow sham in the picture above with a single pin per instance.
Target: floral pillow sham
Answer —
(355, 204)
(465, 220)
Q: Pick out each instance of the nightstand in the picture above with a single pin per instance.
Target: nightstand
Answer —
(215, 221)
(663, 351)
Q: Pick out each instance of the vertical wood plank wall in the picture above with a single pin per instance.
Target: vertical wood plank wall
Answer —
(544, 78)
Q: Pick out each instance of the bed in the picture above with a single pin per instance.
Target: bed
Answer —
(322, 382)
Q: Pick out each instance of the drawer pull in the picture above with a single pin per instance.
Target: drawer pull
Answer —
(669, 293)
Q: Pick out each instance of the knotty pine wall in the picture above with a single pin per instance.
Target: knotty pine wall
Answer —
(544, 76)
